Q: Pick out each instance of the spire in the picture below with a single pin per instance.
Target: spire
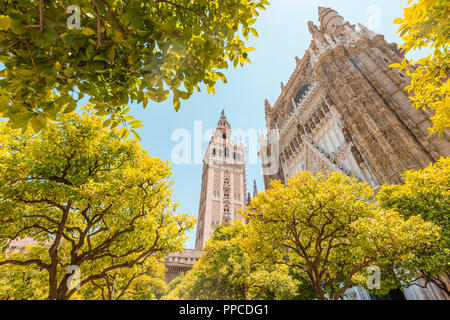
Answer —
(255, 189)
(329, 19)
(323, 11)
(223, 122)
(312, 27)
(318, 36)
(249, 199)
(365, 31)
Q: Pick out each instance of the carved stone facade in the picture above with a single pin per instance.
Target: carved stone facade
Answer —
(344, 109)
(180, 262)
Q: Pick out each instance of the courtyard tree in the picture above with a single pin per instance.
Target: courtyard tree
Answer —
(227, 271)
(91, 201)
(121, 52)
(141, 282)
(22, 283)
(328, 228)
(426, 192)
(425, 25)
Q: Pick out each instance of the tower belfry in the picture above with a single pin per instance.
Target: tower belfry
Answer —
(223, 182)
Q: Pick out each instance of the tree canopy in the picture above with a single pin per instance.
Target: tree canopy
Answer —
(227, 271)
(124, 51)
(87, 198)
(328, 228)
(426, 192)
(141, 282)
(425, 25)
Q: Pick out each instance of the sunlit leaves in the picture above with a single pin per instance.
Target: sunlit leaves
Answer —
(425, 25)
(329, 229)
(5, 22)
(426, 192)
(79, 179)
(141, 51)
(227, 271)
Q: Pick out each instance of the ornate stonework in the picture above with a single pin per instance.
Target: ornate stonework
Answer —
(222, 194)
(344, 109)
(180, 262)
(223, 183)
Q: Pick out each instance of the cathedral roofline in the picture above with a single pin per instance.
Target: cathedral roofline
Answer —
(326, 15)
(299, 64)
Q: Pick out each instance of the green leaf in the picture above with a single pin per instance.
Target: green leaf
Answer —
(38, 122)
(135, 134)
(106, 123)
(87, 31)
(135, 124)
(176, 103)
(5, 22)
(17, 27)
(254, 32)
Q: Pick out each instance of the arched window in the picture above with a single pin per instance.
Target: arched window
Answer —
(214, 151)
(301, 93)
(226, 152)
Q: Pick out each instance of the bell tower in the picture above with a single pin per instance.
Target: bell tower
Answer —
(223, 182)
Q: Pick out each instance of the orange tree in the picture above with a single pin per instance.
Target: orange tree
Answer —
(426, 192)
(425, 25)
(123, 51)
(90, 200)
(328, 229)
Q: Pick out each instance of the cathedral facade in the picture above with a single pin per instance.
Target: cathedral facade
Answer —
(344, 109)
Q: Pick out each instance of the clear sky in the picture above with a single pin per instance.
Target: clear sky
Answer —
(283, 34)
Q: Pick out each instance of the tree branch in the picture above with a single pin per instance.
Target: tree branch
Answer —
(31, 56)
(9, 46)
(178, 6)
(99, 24)
(122, 29)
(41, 15)
(38, 262)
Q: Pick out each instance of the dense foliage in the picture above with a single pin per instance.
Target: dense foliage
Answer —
(88, 198)
(329, 229)
(124, 51)
(426, 192)
(227, 271)
(426, 25)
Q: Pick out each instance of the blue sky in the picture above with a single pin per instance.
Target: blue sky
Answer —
(283, 34)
